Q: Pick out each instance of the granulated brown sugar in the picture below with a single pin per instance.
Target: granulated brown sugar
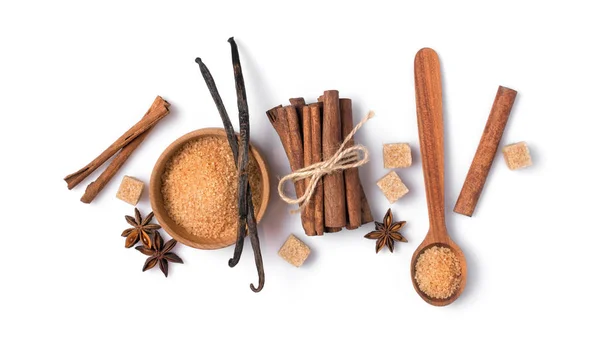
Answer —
(199, 188)
(438, 272)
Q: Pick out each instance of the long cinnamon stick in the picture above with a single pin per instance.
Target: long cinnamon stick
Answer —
(297, 160)
(140, 127)
(334, 195)
(317, 157)
(286, 124)
(486, 151)
(308, 212)
(95, 187)
(351, 178)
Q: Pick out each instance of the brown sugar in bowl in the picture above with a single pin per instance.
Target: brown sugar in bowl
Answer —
(178, 230)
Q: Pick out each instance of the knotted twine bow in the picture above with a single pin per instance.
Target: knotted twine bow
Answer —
(342, 159)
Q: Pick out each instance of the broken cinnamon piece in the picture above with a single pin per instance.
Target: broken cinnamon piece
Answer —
(159, 109)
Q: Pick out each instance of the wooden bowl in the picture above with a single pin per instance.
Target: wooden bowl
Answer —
(156, 199)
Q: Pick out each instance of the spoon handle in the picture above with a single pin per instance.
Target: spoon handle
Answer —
(428, 90)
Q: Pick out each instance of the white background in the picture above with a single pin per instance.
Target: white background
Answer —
(75, 76)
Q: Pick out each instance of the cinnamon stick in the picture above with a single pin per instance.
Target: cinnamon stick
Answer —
(95, 187)
(486, 151)
(298, 103)
(334, 191)
(365, 209)
(308, 212)
(351, 178)
(297, 160)
(159, 111)
(317, 157)
(286, 124)
(294, 141)
(280, 125)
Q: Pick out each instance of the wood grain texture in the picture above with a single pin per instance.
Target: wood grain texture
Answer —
(334, 191)
(351, 178)
(428, 88)
(486, 151)
(428, 94)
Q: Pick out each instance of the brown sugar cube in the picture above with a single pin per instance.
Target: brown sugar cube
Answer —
(517, 156)
(130, 190)
(294, 251)
(396, 155)
(392, 187)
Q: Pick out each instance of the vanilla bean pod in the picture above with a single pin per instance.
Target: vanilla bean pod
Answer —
(244, 118)
(233, 143)
(247, 208)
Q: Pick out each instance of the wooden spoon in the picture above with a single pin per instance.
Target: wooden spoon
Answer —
(428, 89)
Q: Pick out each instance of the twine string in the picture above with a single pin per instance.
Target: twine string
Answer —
(342, 159)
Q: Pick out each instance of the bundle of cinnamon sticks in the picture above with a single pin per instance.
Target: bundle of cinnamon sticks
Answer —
(311, 133)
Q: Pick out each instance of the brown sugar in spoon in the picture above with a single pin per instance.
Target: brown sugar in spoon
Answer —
(434, 265)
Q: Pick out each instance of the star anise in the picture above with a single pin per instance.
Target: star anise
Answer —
(387, 232)
(159, 253)
(142, 230)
